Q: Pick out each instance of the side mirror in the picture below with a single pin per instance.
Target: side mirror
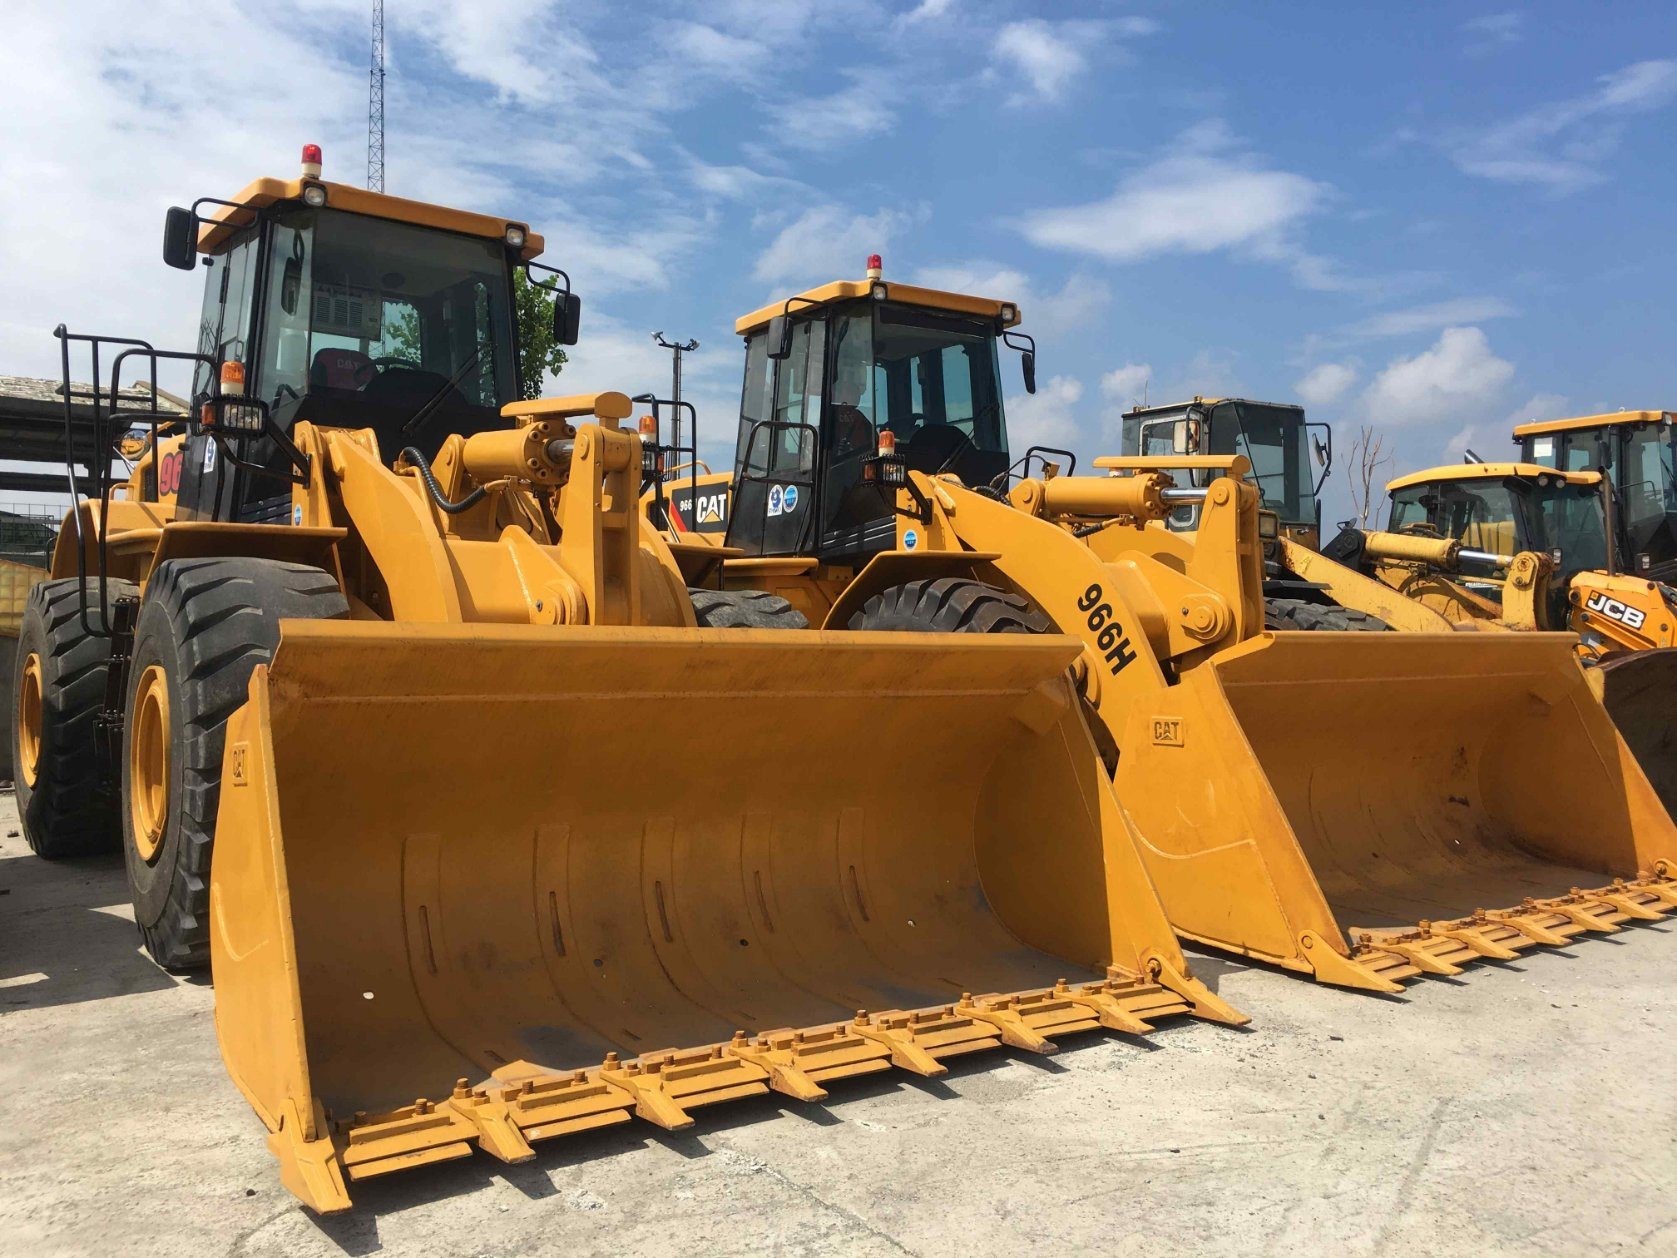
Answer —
(1027, 364)
(180, 239)
(1321, 452)
(780, 338)
(567, 318)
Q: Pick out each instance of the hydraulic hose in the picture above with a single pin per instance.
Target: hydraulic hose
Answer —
(416, 460)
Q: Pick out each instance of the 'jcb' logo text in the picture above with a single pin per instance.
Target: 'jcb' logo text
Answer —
(1613, 609)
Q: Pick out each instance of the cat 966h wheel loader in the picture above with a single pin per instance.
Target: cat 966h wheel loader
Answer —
(377, 698)
(1362, 807)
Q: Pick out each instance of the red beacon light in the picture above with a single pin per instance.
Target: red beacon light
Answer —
(311, 161)
(876, 267)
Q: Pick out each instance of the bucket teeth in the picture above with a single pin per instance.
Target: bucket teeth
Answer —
(1444, 948)
(522, 1102)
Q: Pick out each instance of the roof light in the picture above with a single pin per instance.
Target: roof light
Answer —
(876, 268)
(232, 376)
(1010, 312)
(314, 194)
(887, 443)
(311, 161)
(649, 426)
(515, 236)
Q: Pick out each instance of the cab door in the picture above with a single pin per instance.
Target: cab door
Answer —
(774, 476)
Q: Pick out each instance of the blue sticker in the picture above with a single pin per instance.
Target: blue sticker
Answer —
(297, 514)
(777, 500)
(911, 539)
(791, 498)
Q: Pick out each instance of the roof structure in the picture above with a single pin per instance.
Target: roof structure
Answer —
(33, 427)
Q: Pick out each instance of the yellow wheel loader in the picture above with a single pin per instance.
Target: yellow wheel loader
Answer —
(1526, 547)
(490, 828)
(1361, 807)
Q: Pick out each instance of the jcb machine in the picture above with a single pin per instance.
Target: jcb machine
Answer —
(1364, 808)
(378, 705)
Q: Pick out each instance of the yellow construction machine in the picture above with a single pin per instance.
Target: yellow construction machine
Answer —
(491, 829)
(1362, 807)
(1527, 547)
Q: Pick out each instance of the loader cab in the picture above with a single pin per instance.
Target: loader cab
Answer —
(348, 309)
(1504, 509)
(1635, 450)
(830, 371)
(1290, 455)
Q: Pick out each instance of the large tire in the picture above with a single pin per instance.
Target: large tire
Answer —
(744, 609)
(1296, 614)
(66, 799)
(949, 605)
(204, 627)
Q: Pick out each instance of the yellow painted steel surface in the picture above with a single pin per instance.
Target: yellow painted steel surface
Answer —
(1538, 427)
(1401, 828)
(1340, 804)
(459, 853)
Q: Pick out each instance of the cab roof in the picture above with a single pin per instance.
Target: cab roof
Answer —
(265, 192)
(1004, 312)
(1143, 412)
(1539, 426)
(1488, 471)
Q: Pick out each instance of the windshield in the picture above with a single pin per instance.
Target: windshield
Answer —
(407, 324)
(1277, 442)
(1647, 490)
(1507, 516)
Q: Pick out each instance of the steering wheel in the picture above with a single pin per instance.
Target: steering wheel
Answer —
(381, 365)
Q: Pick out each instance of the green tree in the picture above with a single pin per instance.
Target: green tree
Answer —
(539, 355)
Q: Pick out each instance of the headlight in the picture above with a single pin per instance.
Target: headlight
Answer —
(515, 236)
(314, 194)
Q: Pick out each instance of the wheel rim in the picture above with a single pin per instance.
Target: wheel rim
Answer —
(148, 764)
(29, 716)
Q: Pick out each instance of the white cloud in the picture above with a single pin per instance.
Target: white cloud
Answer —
(1564, 146)
(925, 11)
(1204, 197)
(1458, 376)
(1325, 383)
(1044, 314)
(1429, 318)
(1045, 417)
(1494, 30)
(825, 242)
(1125, 385)
(866, 107)
(1046, 57)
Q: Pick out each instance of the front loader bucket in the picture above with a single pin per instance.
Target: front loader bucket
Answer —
(545, 881)
(1377, 806)
(1640, 692)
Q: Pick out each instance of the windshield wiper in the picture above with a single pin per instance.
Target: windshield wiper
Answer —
(431, 403)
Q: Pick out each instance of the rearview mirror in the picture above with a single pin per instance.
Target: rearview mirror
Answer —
(780, 338)
(1321, 452)
(179, 239)
(567, 317)
(1027, 364)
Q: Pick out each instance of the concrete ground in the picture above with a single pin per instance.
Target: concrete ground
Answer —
(1526, 1108)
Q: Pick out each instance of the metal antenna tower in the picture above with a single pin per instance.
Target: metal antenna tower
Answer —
(375, 104)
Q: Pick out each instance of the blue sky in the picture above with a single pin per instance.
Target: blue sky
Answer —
(1431, 218)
